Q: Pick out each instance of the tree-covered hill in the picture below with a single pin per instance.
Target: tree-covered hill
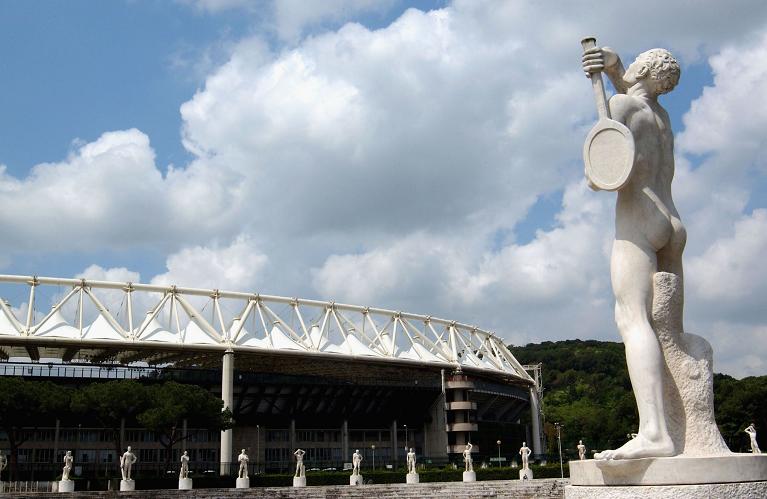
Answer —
(587, 389)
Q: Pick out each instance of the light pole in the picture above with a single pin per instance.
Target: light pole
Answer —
(373, 448)
(499, 453)
(258, 442)
(559, 439)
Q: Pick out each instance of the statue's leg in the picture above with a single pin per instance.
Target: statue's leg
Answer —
(632, 268)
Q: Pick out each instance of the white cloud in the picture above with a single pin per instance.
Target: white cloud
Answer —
(237, 266)
(377, 166)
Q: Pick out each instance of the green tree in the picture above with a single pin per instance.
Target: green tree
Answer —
(112, 403)
(26, 405)
(171, 403)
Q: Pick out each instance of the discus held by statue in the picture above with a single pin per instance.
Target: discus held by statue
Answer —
(608, 152)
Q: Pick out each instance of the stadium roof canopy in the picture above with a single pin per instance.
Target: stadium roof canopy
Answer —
(123, 322)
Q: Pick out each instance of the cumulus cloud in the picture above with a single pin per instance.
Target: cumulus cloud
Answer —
(378, 166)
(235, 267)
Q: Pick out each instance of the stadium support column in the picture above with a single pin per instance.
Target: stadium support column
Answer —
(345, 441)
(227, 395)
(394, 444)
(535, 417)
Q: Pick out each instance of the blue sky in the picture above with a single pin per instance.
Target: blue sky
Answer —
(425, 159)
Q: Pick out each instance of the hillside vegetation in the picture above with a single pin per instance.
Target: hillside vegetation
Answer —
(587, 389)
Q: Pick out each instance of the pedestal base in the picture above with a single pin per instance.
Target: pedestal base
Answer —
(412, 478)
(526, 474)
(679, 470)
(243, 483)
(127, 485)
(66, 485)
(355, 480)
(746, 490)
(469, 476)
(299, 481)
(184, 484)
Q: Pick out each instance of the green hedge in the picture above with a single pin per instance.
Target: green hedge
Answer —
(338, 478)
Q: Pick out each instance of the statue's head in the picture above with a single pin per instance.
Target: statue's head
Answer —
(185, 453)
(580, 442)
(243, 451)
(524, 444)
(659, 67)
(357, 451)
(129, 448)
(411, 449)
(69, 453)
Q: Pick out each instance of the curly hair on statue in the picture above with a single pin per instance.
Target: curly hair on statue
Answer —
(664, 69)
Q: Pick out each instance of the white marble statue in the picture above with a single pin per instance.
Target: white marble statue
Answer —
(68, 462)
(356, 461)
(126, 463)
(752, 435)
(524, 451)
(581, 450)
(670, 371)
(468, 462)
(411, 461)
(300, 470)
(3, 463)
(243, 459)
(184, 472)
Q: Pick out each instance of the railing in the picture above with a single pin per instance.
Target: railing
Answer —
(89, 314)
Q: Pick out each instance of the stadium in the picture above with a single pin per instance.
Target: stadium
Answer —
(326, 377)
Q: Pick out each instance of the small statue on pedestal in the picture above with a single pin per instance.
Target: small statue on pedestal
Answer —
(752, 435)
(243, 459)
(126, 463)
(467, 460)
(68, 462)
(411, 461)
(300, 470)
(524, 451)
(581, 450)
(184, 473)
(356, 461)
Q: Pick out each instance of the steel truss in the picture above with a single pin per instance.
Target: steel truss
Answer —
(103, 322)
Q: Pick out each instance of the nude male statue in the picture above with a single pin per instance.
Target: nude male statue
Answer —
(3, 463)
(467, 461)
(299, 453)
(649, 235)
(356, 461)
(126, 463)
(581, 450)
(411, 461)
(184, 472)
(68, 462)
(752, 435)
(524, 451)
(243, 459)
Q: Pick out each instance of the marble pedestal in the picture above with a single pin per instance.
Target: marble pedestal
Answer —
(184, 484)
(66, 485)
(412, 478)
(469, 476)
(733, 475)
(127, 485)
(243, 483)
(355, 480)
(299, 481)
(526, 474)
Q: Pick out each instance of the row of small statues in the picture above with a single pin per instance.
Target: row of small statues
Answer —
(129, 458)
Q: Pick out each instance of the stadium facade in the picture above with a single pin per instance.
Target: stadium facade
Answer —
(329, 378)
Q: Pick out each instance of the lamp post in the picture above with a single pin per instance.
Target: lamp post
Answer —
(499, 453)
(373, 448)
(559, 440)
(258, 443)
